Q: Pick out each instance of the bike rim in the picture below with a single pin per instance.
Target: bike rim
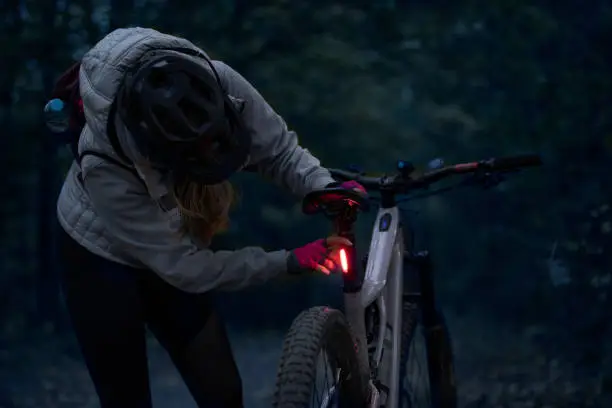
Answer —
(416, 388)
(325, 388)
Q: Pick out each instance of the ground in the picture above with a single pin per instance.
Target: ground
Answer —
(497, 367)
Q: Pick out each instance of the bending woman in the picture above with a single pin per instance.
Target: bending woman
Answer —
(162, 128)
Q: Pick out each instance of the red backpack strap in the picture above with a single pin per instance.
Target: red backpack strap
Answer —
(67, 81)
(67, 89)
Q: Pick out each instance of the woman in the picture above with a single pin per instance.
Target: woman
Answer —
(164, 128)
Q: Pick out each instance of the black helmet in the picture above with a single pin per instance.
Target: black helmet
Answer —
(180, 117)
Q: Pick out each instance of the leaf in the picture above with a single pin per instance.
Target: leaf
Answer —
(558, 272)
(572, 246)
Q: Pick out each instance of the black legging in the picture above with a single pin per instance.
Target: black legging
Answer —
(110, 304)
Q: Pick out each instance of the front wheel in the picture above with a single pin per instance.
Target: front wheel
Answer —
(427, 372)
(319, 365)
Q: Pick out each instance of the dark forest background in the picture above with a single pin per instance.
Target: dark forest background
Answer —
(524, 271)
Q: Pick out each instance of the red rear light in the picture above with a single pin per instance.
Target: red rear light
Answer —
(344, 261)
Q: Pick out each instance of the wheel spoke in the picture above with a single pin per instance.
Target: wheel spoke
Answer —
(319, 366)
(416, 380)
(324, 394)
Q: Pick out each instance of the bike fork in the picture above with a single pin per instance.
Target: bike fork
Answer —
(434, 334)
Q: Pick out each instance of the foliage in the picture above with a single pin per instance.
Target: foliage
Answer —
(369, 83)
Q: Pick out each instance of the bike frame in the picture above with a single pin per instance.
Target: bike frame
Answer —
(390, 262)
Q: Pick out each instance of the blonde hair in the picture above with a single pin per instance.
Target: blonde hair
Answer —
(204, 208)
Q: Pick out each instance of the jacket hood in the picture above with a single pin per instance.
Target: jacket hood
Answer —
(104, 66)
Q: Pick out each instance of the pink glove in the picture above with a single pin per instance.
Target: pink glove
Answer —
(319, 255)
(353, 185)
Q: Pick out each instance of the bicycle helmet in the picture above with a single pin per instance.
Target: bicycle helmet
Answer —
(174, 106)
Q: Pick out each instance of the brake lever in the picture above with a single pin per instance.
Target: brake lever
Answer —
(482, 180)
(493, 180)
(488, 179)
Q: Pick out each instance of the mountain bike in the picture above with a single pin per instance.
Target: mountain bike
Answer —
(389, 302)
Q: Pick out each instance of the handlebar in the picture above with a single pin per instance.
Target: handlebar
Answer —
(406, 179)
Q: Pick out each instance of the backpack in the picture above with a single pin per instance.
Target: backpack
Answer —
(65, 118)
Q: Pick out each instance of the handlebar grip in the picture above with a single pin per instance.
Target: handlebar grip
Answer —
(515, 162)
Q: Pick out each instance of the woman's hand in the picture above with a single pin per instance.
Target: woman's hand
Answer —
(319, 255)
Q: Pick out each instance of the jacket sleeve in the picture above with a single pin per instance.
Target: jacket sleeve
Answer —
(275, 152)
(144, 232)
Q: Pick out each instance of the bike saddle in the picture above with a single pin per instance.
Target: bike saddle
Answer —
(333, 201)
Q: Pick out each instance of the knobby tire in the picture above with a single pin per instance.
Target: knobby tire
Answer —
(314, 330)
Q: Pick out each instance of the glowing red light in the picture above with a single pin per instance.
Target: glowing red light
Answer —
(344, 261)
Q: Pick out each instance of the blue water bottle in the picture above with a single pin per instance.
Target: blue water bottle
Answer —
(57, 117)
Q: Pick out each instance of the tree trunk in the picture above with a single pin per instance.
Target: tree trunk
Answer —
(121, 14)
(92, 30)
(11, 60)
(47, 282)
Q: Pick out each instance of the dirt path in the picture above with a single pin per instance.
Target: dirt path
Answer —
(49, 374)
(496, 368)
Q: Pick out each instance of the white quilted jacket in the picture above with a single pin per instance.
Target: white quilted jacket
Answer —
(121, 217)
